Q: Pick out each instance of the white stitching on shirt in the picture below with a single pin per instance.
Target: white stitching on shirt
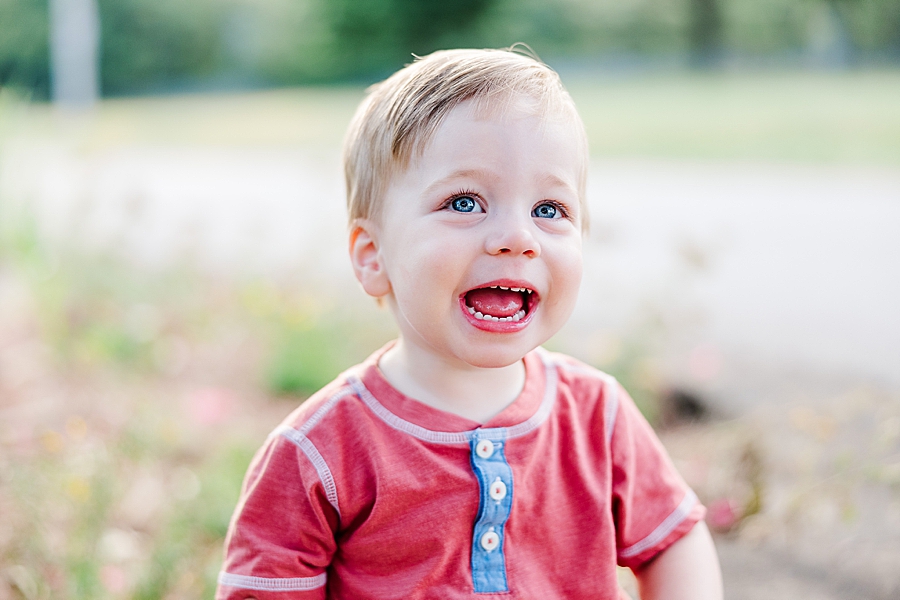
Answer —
(543, 411)
(272, 584)
(298, 436)
(611, 405)
(463, 437)
(312, 453)
(440, 437)
(317, 416)
(663, 529)
(610, 411)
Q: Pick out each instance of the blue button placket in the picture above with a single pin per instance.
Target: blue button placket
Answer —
(488, 538)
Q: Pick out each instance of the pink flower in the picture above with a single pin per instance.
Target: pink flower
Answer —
(704, 363)
(723, 514)
(210, 406)
(113, 579)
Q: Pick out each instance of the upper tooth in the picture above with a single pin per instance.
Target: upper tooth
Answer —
(514, 289)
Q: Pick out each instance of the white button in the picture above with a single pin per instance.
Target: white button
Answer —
(484, 448)
(490, 540)
(498, 490)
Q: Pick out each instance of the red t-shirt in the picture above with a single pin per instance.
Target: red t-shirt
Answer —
(365, 493)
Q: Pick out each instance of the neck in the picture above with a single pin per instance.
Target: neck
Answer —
(475, 393)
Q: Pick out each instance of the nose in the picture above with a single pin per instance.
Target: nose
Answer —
(514, 237)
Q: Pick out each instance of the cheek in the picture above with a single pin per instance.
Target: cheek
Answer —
(421, 266)
(567, 253)
(568, 268)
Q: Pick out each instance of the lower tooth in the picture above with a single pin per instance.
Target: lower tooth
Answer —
(478, 315)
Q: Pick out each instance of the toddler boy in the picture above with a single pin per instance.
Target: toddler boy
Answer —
(462, 460)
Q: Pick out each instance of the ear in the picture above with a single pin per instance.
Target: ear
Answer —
(366, 259)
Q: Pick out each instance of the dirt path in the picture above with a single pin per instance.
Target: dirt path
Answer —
(753, 573)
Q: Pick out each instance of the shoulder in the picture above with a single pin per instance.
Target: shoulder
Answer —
(317, 407)
(339, 408)
(572, 367)
(578, 377)
(314, 440)
(594, 394)
(333, 413)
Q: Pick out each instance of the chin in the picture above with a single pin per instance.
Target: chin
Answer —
(495, 358)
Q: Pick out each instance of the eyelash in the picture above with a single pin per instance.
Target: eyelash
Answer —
(465, 192)
(557, 205)
(460, 194)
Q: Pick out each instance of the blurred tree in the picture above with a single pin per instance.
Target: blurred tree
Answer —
(74, 42)
(24, 52)
(616, 30)
(705, 31)
(157, 45)
(147, 44)
(831, 41)
(381, 34)
(866, 25)
(767, 27)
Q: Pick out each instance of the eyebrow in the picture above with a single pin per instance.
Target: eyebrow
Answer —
(459, 174)
(556, 180)
(475, 173)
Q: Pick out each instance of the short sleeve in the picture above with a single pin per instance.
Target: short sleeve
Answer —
(652, 506)
(282, 535)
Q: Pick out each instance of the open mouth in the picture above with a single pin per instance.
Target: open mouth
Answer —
(500, 303)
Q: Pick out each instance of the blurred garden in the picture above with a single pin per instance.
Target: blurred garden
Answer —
(173, 279)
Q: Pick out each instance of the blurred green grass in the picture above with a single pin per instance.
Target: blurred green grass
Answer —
(814, 117)
(794, 116)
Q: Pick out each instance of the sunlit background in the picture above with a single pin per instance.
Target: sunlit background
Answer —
(173, 278)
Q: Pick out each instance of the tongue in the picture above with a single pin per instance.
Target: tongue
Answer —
(495, 302)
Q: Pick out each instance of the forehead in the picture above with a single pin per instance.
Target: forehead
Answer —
(501, 112)
(519, 120)
(476, 135)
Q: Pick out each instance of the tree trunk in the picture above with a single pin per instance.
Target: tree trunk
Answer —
(705, 34)
(74, 57)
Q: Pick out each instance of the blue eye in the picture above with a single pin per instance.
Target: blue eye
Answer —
(464, 204)
(546, 211)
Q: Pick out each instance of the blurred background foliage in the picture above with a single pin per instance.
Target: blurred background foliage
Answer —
(132, 399)
(164, 385)
(168, 46)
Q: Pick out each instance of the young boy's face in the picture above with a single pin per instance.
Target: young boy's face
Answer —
(491, 204)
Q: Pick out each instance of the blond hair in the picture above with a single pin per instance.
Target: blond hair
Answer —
(399, 115)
